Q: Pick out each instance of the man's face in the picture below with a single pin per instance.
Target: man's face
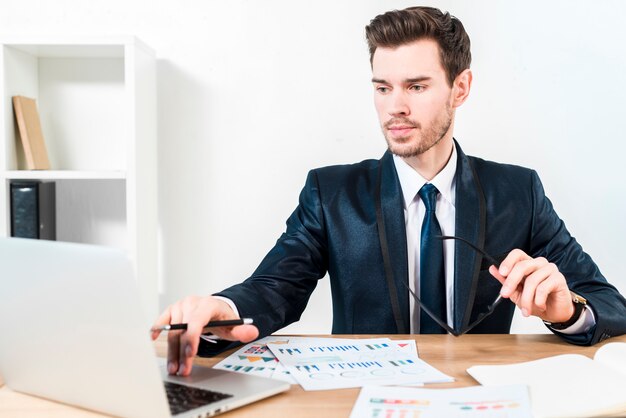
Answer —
(412, 97)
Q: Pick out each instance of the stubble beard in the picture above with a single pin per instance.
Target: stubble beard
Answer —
(422, 140)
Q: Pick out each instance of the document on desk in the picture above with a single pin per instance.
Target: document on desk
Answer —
(568, 385)
(472, 402)
(257, 359)
(321, 364)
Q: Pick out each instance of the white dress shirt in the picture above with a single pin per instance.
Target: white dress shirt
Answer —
(411, 182)
(414, 210)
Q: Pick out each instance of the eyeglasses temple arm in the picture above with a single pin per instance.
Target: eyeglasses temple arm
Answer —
(434, 317)
(475, 248)
(492, 307)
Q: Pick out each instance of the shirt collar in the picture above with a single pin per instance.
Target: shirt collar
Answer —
(411, 181)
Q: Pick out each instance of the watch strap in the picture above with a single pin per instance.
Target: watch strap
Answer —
(580, 303)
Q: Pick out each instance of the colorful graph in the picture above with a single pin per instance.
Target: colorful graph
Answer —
(308, 368)
(400, 363)
(257, 349)
(247, 369)
(395, 413)
(253, 359)
(486, 405)
(354, 365)
(397, 407)
(289, 351)
(331, 349)
(377, 346)
(348, 348)
(324, 364)
(508, 401)
(413, 402)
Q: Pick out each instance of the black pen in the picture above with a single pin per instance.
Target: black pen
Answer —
(226, 323)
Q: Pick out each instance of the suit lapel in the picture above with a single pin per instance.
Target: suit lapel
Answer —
(469, 224)
(393, 217)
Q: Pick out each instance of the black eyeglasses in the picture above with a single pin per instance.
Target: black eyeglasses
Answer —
(481, 316)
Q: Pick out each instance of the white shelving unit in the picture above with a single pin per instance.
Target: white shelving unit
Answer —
(97, 105)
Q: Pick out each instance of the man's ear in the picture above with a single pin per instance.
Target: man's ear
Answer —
(461, 87)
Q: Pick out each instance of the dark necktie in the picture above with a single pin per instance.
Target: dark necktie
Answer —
(432, 278)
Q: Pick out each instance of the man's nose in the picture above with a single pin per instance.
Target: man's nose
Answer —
(399, 105)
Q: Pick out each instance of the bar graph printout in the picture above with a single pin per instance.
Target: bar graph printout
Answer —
(335, 364)
(471, 402)
(257, 359)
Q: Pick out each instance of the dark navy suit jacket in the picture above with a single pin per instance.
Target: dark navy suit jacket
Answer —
(334, 229)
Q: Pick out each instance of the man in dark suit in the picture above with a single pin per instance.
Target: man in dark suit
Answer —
(376, 227)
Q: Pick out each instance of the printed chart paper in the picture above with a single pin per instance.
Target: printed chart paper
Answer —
(472, 402)
(321, 365)
(257, 359)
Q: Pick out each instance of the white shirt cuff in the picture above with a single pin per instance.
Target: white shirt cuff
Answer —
(583, 324)
(229, 303)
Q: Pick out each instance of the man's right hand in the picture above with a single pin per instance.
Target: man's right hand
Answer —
(196, 312)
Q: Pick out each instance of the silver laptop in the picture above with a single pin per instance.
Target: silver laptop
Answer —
(72, 330)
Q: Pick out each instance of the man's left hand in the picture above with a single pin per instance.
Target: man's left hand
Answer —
(535, 285)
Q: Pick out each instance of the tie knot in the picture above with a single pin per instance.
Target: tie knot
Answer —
(428, 194)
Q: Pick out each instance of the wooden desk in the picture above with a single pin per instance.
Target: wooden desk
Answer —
(451, 355)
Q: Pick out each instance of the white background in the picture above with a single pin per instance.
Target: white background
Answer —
(252, 94)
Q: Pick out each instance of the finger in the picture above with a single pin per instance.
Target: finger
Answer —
(556, 298)
(495, 273)
(173, 340)
(243, 333)
(195, 319)
(537, 278)
(548, 287)
(511, 259)
(163, 319)
(519, 272)
(513, 296)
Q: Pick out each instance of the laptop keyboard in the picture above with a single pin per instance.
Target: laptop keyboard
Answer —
(184, 398)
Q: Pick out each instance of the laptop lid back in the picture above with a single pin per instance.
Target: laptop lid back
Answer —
(72, 329)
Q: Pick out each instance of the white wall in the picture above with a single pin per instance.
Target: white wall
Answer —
(252, 94)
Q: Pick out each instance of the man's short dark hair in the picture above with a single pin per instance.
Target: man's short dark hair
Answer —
(400, 27)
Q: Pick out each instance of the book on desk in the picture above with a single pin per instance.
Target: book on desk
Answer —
(567, 385)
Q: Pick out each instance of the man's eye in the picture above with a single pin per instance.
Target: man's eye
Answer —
(416, 87)
(382, 89)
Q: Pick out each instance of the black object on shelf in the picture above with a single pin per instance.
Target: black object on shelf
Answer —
(33, 209)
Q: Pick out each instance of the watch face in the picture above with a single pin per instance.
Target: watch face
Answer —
(578, 299)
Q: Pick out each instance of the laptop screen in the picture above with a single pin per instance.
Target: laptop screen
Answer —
(73, 328)
(73, 331)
